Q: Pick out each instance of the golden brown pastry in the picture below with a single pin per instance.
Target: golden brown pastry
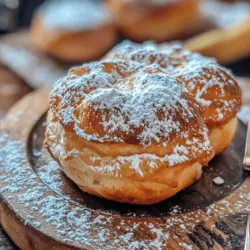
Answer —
(126, 131)
(159, 20)
(73, 30)
(212, 86)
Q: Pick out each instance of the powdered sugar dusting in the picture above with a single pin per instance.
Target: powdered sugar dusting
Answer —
(70, 224)
(210, 84)
(50, 174)
(135, 161)
(74, 15)
(109, 96)
(128, 103)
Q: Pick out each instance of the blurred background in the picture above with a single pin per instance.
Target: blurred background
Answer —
(17, 14)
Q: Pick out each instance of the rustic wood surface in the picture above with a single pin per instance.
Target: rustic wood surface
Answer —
(201, 217)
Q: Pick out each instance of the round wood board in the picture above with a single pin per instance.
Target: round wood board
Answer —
(43, 209)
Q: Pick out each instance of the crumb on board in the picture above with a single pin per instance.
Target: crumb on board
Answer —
(218, 181)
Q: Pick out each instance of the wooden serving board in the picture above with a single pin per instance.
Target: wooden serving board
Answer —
(43, 209)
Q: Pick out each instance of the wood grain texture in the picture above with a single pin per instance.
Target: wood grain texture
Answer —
(44, 210)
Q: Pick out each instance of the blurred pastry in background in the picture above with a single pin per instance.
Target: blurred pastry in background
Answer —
(158, 20)
(230, 40)
(73, 31)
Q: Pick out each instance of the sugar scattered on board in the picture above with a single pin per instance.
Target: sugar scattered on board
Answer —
(218, 181)
(78, 224)
(71, 223)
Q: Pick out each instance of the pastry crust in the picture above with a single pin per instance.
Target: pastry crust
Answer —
(75, 42)
(221, 137)
(212, 86)
(126, 132)
(157, 20)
